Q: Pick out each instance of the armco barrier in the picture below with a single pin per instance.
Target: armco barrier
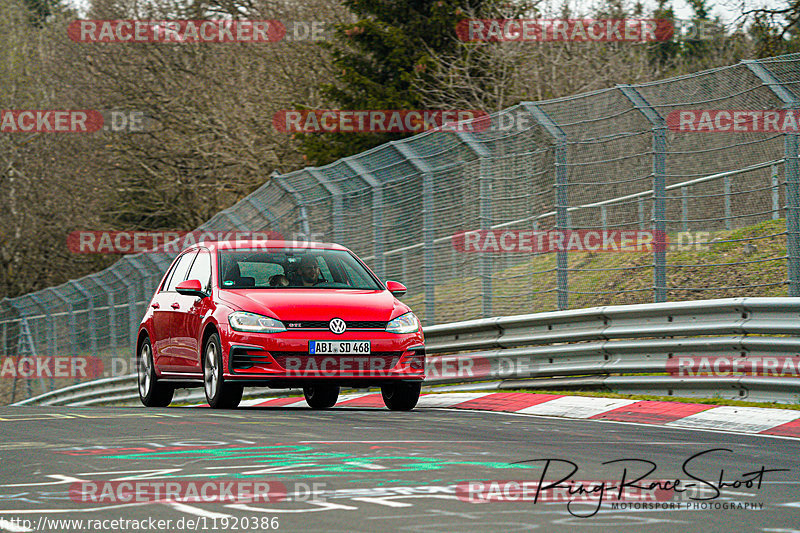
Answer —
(587, 348)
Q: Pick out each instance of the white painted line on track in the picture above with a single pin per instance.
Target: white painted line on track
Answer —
(576, 406)
(446, 400)
(726, 432)
(746, 419)
(190, 509)
(380, 501)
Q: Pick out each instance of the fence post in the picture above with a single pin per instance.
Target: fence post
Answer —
(73, 325)
(790, 101)
(429, 264)
(685, 208)
(4, 340)
(236, 222)
(49, 323)
(135, 316)
(377, 213)
(726, 185)
(562, 197)
(337, 197)
(112, 311)
(132, 325)
(91, 321)
(659, 188)
(776, 213)
(792, 213)
(159, 263)
(264, 212)
(23, 331)
(642, 221)
(298, 199)
(484, 215)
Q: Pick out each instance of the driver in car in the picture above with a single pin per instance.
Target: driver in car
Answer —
(308, 272)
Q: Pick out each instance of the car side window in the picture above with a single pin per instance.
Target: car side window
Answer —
(201, 270)
(179, 271)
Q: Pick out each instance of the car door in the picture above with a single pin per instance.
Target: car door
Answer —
(164, 315)
(188, 318)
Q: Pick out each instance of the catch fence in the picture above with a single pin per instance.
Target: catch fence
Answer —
(607, 160)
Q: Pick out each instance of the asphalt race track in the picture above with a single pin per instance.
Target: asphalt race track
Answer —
(369, 469)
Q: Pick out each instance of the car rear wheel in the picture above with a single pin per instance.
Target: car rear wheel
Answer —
(219, 394)
(151, 392)
(401, 396)
(321, 396)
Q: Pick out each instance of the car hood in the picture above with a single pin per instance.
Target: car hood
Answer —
(317, 304)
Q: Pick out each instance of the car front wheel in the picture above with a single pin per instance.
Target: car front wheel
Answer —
(401, 396)
(151, 392)
(321, 396)
(219, 394)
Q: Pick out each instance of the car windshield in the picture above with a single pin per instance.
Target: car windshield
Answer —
(287, 269)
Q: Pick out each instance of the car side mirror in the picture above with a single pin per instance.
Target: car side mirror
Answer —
(396, 288)
(191, 287)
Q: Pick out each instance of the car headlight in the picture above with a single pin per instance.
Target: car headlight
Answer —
(251, 322)
(407, 323)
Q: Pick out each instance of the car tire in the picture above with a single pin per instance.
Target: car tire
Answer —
(219, 394)
(401, 396)
(151, 392)
(321, 396)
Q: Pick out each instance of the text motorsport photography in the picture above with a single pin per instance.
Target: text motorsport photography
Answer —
(634, 489)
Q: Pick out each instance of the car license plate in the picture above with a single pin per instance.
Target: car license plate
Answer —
(338, 347)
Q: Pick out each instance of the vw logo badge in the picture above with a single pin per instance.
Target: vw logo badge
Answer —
(337, 326)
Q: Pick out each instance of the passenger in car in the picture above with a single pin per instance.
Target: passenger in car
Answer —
(278, 280)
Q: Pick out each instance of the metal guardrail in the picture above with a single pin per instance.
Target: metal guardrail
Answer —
(122, 391)
(587, 348)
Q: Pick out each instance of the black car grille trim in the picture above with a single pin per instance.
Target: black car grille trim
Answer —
(240, 359)
(306, 354)
(323, 324)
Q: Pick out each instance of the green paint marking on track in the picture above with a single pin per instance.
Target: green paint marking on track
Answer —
(309, 463)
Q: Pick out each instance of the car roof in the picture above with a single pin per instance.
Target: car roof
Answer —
(250, 244)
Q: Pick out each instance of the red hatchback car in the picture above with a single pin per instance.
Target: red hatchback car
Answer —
(264, 313)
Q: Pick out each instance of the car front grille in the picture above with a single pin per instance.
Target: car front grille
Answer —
(323, 324)
(244, 358)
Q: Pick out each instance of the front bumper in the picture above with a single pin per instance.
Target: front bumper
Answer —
(283, 359)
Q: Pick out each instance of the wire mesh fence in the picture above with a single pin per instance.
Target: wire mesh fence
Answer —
(725, 202)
